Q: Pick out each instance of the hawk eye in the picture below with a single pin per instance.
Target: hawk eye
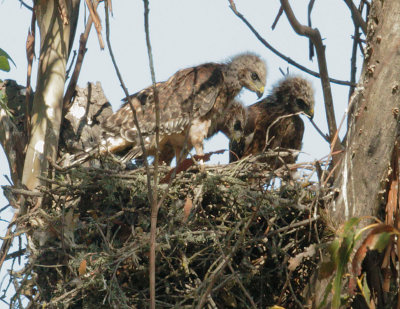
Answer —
(254, 76)
(301, 104)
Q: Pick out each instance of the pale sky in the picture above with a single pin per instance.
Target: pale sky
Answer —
(186, 33)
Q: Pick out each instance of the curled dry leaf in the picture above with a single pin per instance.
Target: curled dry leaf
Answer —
(82, 268)
(187, 208)
(377, 239)
(30, 46)
(186, 163)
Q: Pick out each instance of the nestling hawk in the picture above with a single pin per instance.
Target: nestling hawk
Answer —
(273, 122)
(191, 102)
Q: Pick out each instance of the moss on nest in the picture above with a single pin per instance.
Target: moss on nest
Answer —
(90, 246)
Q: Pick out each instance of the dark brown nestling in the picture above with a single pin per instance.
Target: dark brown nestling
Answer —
(191, 103)
(274, 123)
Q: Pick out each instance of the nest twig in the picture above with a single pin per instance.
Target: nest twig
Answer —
(89, 243)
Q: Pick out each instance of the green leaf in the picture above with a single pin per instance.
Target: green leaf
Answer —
(382, 241)
(350, 225)
(326, 269)
(365, 290)
(4, 64)
(343, 257)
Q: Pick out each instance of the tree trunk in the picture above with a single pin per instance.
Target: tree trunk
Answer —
(374, 122)
(55, 20)
(373, 125)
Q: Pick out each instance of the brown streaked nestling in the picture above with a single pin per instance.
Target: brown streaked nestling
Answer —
(277, 116)
(191, 102)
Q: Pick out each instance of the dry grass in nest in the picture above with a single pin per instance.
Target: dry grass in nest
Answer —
(232, 227)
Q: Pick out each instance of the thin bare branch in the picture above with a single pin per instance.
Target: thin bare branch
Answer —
(278, 16)
(279, 54)
(96, 20)
(78, 65)
(62, 5)
(154, 205)
(356, 16)
(311, 45)
(353, 61)
(23, 191)
(294, 225)
(213, 277)
(238, 280)
(25, 5)
(30, 54)
(16, 254)
(233, 6)
(324, 136)
(8, 238)
(70, 66)
(135, 119)
(316, 39)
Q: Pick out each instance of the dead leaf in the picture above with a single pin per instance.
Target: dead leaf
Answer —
(82, 268)
(376, 240)
(185, 164)
(392, 198)
(187, 208)
(30, 46)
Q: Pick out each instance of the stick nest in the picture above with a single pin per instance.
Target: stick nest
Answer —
(234, 228)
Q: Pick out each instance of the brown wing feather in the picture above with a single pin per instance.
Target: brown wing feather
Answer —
(287, 133)
(261, 116)
(284, 133)
(191, 90)
(189, 93)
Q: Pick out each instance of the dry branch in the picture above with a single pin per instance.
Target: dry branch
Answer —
(279, 54)
(78, 65)
(135, 119)
(315, 37)
(7, 241)
(154, 201)
(30, 54)
(356, 15)
(105, 226)
(96, 19)
(311, 45)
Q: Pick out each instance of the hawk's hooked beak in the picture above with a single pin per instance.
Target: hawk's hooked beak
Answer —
(310, 113)
(260, 92)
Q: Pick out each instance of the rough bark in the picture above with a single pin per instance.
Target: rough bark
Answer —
(81, 128)
(56, 19)
(374, 121)
(373, 126)
(12, 136)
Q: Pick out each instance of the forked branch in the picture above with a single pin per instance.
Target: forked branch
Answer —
(281, 55)
(135, 119)
(78, 65)
(356, 16)
(315, 37)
